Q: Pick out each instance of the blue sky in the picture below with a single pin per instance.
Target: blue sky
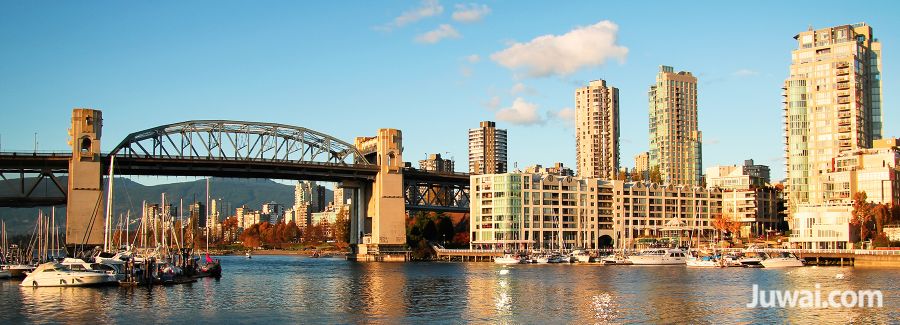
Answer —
(430, 68)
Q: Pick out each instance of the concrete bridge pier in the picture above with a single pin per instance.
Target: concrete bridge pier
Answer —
(84, 206)
(385, 212)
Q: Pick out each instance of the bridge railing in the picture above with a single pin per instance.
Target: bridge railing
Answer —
(250, 159)
(39, 153)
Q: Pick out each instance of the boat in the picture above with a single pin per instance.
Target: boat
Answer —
(750, 259)
(557, 258)
(784, 259)
(703, 261)
(615, 259)
(580, 256)
(212, 268)
(507, 259)
(248, 254)
(113, 269)
(540, 259)
(659, 256)
(54, 274)
(19, 270)
(4, 274)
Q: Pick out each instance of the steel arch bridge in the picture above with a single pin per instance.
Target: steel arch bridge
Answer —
(224, 140)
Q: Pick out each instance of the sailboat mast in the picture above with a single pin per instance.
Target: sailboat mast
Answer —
(109, 198)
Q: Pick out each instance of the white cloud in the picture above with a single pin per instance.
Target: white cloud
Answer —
(474, 58)
(470, 13)
(493, 103)
(520, 88)
(564, 54)
(520, 113)
(428, 8)
(745, 73)
(567, 115)
(436, 35)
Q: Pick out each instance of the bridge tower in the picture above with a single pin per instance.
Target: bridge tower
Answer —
(84, 207)
(383, 228)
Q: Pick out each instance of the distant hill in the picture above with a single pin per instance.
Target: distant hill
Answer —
(128, 195)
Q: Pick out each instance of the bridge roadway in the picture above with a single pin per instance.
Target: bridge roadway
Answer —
(49, 166)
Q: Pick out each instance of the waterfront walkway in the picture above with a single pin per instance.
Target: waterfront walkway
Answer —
(840, 257)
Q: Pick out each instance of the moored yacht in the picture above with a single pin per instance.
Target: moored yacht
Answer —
(53, 274)
(659, 256)
(703, 261)
(785, 259)
(507, 259)
(580, 256)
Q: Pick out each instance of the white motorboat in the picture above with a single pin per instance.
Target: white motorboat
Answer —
(659, 256)
(703, 261)
(112, 268)
(580, 256)
(53, 274)
(540, 259)
(615, 260)
(785, 259)
(507, 259)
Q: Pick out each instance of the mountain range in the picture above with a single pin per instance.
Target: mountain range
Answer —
(128, 195)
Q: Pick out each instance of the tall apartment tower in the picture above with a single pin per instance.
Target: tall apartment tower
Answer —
(832, 104)
(675, 139)
(487, 149)
(597, 130)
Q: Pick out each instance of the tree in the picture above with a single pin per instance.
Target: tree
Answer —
(636, 176)
(621, 175)
(445, 229)
(341, 227)
(882, 216)
(430, 232)
(861, 214)
(725, 223)
(655, 175)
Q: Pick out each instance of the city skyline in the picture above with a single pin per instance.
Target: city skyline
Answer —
(483, 66)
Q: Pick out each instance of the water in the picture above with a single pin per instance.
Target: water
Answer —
(290, 289)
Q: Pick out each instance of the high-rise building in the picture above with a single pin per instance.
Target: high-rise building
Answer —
(597, 130)
(832, 104)
(198, 215)
(487, 149)
(675, 138)
(434, 163)
(642, 165)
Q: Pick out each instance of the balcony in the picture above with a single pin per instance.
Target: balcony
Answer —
(843, 137)
(843, 114)
(843, 85)
(843, 93)
(843, 72)
(844, 129)
(844, 108)
(844, 122)
(843, 79)
(843, 100)
(841, 65)
(845, 143)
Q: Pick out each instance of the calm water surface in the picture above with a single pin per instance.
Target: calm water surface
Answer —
(289, 289)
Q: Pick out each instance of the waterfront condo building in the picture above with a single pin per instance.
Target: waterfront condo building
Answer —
(539, 211)
(675, 139)
(832, 104)
(597, 130)
(747, 197)
(487, 149)
(646, 212)
(874, 171)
